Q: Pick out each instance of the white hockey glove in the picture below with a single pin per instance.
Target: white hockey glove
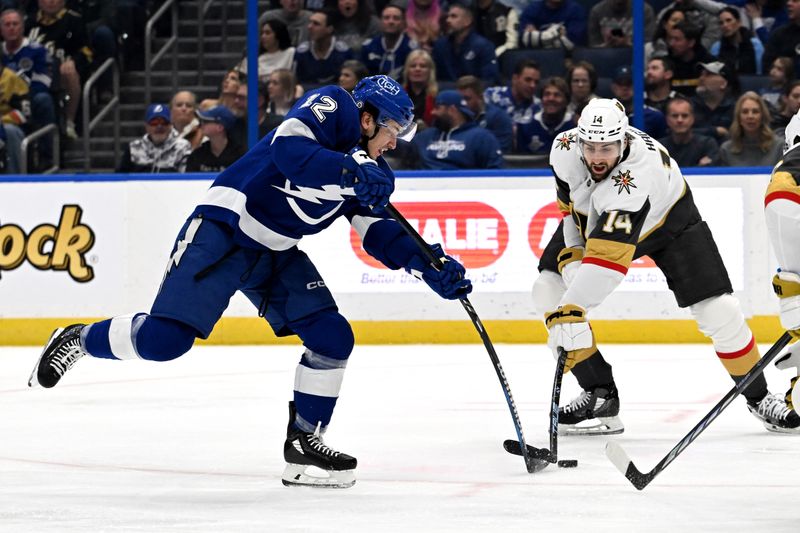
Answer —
(371, 184)
(568, 328)
(787, 286)
(791, 360)
(569, 259)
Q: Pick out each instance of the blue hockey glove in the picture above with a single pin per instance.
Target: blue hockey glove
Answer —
(447, 280)
(371, 184)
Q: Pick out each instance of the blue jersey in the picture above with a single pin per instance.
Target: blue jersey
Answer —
(474, 56)
(323, 69)
(33, 63)
(289, 184)
(537, 137)
(498, 123)
(520, 112)
(466, 147)
(379, 60)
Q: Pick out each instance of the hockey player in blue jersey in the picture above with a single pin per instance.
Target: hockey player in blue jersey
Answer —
(324, 161)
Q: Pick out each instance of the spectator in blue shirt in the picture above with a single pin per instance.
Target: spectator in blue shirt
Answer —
(537, 136)
(488, 116)
(518, 99)
(462, 51)
(386, 53)
(455, 141)
(552, 24)
(317, 61)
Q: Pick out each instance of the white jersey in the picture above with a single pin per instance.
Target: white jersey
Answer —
(612, 217)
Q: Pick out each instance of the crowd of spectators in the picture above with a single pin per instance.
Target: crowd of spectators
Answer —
(720, 76)
(49, 50)
(494, 82)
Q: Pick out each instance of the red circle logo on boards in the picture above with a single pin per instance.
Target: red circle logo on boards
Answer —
(545, 222)
(472, 232)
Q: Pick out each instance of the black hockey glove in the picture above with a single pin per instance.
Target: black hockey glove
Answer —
(447, 279)
(371, 184)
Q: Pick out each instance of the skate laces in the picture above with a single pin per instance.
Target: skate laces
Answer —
(578, 403)
(315, 441)
(773, 407)
(66, 356)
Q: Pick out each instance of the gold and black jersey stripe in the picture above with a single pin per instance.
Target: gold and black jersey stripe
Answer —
(612, 243)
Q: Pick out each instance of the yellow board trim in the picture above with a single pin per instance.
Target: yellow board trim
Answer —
(236, 330)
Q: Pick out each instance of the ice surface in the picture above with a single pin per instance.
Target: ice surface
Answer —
(196, 445)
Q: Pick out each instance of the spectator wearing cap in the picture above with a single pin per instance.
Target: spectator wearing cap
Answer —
(785, 41)
(611, 23)
(518, 98)
(455, 141)
(658, 83)
(488, 116)
(686, 52)
(713, 102)
(737, 47)
(687, 148)
(318, 60)
(160, 149)
(622, 88)
(386, 52)
(217, 152)
(497, 22)
(537, 136)
(552, 24)
(462, 51)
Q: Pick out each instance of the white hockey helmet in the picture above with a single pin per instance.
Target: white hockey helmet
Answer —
(792, 133)
(603, 120)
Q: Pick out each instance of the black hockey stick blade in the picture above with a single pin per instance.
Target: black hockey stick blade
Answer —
(620, 459)
(640, 479)
(540, 456)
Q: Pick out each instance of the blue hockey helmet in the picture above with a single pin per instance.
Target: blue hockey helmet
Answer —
(391, 101)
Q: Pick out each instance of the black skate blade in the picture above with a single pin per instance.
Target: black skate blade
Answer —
(540, 458)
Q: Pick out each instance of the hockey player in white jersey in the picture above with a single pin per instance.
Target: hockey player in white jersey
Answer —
(626, 197)
(782, 210)
(323, 162)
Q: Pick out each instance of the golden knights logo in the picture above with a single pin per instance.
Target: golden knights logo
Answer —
(623, 181)
(565, 141)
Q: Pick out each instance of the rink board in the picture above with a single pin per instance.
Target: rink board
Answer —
(81, 247)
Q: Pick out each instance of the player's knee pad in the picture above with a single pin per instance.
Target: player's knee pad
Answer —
(721, 319)
(326, 333)
(547, 291)
(163, 339)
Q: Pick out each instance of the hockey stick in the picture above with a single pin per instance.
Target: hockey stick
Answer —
(512, 446)
(639, 479)
(533, 464)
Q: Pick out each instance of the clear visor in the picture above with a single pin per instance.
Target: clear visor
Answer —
(398, 132)
(600, 151)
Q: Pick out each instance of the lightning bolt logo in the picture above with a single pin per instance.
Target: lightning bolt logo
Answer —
(330, 193)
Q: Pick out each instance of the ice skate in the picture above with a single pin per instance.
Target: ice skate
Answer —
(776, 416)
(304, 451)
(59, 355)
(593, 412)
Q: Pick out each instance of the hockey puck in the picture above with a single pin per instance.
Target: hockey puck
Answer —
(568, 463)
